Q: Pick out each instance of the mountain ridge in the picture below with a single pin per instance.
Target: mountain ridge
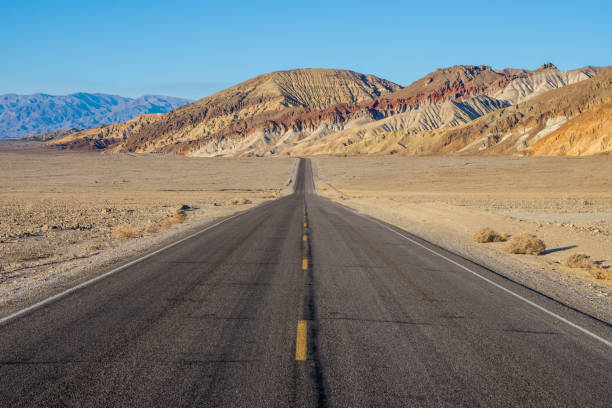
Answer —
(309, 111)
(39, 113)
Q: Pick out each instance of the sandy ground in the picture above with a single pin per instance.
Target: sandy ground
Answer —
(58, 211)
(567, 202)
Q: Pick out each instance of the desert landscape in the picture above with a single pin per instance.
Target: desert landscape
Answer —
(65, 215)
(444, 158)
(306, 204)
(565, 202)
(460, 110)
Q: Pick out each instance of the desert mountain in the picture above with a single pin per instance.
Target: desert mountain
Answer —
(573, 120)
(278, 102)
(106, 136)
(544, 79)
(25, 115)
(323, 111)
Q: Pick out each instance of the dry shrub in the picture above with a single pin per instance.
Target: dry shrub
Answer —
(234, 202)
(246, 201)
(33, 256)
(486, 234)
(525, 244)
(153, 227)
(178, 217)
(580, 261)
(125, 231)
(603, 274)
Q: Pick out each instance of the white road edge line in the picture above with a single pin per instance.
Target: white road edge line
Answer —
(106, 274)
(543, 309)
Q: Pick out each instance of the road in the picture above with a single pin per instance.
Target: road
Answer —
(302, 302)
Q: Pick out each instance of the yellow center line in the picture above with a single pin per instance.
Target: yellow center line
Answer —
(304, 264)
(300, 341)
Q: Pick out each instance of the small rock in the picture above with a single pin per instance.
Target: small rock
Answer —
(45, 228)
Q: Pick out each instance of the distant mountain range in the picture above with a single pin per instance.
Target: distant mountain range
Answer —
(464, 109)
(26, 115)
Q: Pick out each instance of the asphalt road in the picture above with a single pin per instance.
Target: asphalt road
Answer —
(301, 302)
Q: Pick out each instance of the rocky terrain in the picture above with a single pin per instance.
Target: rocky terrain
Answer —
(27, 115)
(569, 120)
(324, 111)
(64, 214)
(248, 116)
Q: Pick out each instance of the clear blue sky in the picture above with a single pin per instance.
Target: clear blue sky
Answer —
(194, 48)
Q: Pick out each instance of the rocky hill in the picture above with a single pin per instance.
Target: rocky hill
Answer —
(573, 120)
(324, 111)
(105, 136)
(26, 115)
(267, 105)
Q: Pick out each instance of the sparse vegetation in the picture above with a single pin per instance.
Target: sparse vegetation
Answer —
(178, 217)
(486, 234)
(580, 261)
(526, 244)
(45, 217)
(603, 274)
(583, 261)
(246, 201)
(125, 231)
(33, 256)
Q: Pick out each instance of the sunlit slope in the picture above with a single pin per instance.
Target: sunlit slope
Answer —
(464, 109)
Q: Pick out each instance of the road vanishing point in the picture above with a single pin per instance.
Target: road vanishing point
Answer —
(302, 302)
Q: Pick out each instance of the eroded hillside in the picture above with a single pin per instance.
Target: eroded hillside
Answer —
(325, 111)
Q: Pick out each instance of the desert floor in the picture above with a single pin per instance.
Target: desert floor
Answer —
(567, 202)
(59, 211)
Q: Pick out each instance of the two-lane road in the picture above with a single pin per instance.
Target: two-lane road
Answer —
(302, 302)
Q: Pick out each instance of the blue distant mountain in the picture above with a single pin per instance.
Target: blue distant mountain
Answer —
(26, 115)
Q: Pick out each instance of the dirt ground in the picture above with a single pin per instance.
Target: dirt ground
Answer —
(566, 202)
(59, 211)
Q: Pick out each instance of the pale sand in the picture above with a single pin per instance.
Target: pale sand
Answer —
(58, 210)
(567, 202)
